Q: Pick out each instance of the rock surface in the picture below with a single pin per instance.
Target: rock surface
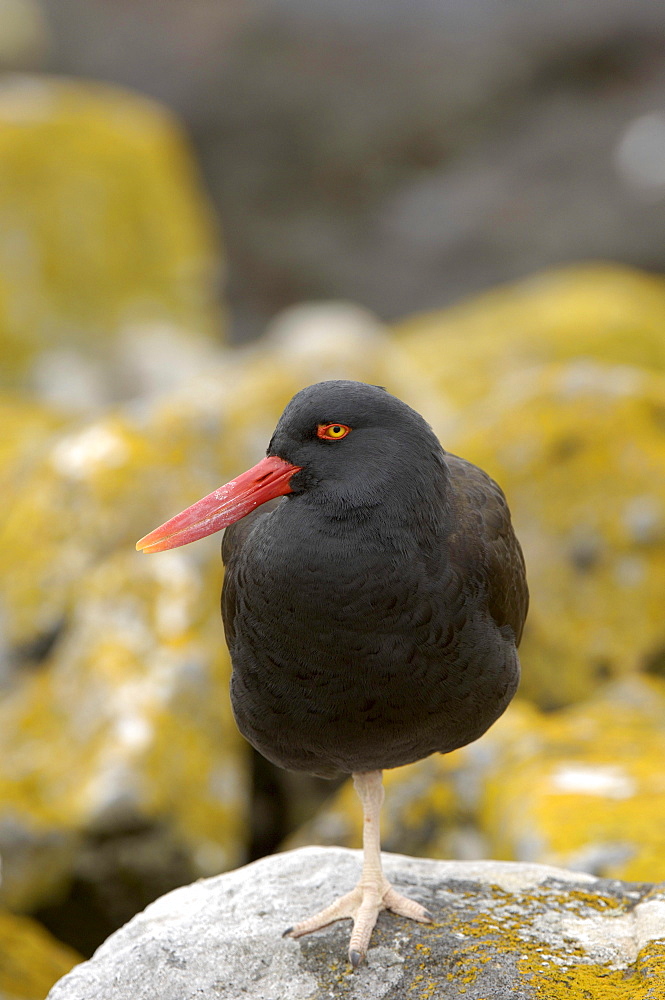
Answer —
(505, 931)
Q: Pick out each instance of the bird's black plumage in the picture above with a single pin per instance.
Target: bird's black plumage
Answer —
(373, 614)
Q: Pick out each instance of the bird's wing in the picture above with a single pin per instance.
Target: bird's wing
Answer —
(484, 542)
(235, 537)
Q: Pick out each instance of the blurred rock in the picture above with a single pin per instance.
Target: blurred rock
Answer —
(30, 959)
(559, 389)
(400, 155)
(603, 312)
(579, 449)
(127, 719)
(501, 930)
(581, 788)
(27, 429)
(106, 236)
(431, 810)
(115, 710)
(25, 38)
(584, 788)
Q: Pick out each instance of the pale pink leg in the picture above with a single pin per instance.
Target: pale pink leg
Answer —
(373, 892)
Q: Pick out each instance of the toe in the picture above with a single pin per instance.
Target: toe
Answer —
(363, 925)
(342, 909)
(405, 907)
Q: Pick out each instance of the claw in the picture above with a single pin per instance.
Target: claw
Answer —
(355, 958)
(287, 932)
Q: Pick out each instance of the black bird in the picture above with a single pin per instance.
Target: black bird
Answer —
(372, 613)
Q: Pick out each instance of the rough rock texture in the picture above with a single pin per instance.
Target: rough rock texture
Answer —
(30, 959)
(501, 931)
(581, 788)
(107, 248)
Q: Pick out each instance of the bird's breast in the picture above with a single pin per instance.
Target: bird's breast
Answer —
(353, 653)
(336, 587)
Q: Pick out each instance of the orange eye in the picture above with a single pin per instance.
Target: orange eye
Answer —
(332, 432)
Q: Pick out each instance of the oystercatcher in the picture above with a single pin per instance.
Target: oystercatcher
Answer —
(372, 608)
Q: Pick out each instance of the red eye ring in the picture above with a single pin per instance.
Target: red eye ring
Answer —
(332, 432)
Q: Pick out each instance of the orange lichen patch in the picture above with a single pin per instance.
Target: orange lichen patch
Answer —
(105, 227)
(31, 960)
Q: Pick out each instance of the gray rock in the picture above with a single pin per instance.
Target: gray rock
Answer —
(502, 930)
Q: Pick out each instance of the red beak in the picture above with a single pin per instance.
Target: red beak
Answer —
(267, 480)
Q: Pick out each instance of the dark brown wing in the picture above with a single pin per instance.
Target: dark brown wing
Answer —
(233, 541)
(485, 542)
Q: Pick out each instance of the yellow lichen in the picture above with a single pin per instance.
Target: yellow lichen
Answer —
(550, 968)
(580, 452)
(589, 791)
(599, 311)
(104, 223)
(31, 961)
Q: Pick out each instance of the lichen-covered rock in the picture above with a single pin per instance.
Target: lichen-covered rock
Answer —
(27, 429)
(31, 960)
(598, 311)
(581, 788)
(501, 930)
(115, 706)
(560, 396)
(105, 233)
(127, 723)
(579, 449)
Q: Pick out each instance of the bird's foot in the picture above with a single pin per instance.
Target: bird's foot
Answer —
(362, 905)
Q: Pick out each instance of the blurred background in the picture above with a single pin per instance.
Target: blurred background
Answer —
(206, 206)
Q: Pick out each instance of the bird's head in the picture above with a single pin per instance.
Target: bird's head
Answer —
(342, 443)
